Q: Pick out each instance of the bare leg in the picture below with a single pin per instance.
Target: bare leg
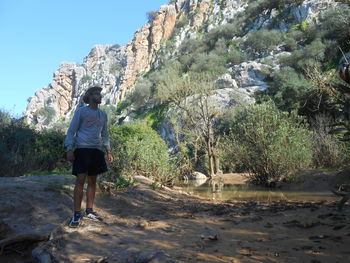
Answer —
(91, 190)
(78, 191)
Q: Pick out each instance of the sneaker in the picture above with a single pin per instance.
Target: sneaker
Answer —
(93, 216)
(76, 220)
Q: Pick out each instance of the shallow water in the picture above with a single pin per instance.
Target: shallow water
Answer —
(251, 192)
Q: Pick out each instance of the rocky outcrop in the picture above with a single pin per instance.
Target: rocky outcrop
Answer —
(57, 101)
(117, 68)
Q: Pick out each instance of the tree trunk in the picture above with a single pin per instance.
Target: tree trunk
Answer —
(216, 161)
(211, 160)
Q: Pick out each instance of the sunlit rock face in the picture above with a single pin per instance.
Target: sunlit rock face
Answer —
(117, 68)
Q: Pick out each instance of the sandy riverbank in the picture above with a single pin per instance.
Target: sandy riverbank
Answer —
(143, 225)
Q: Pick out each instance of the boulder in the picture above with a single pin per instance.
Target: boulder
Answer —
(197, 176)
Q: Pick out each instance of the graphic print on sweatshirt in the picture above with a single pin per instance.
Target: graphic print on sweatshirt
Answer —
(92, 119)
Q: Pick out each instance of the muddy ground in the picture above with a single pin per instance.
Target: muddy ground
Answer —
(163, 225)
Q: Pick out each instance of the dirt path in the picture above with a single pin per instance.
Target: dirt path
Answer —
(143, 225)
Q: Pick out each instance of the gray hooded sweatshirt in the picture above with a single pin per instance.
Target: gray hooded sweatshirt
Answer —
(88, 129)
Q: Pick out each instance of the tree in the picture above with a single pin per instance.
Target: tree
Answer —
(195, 110)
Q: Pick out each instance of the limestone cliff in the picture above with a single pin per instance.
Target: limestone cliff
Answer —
(117, 68)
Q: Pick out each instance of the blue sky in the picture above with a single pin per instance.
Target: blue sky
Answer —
(37, 35)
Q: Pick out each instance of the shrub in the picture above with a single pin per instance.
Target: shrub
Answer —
(263, 41)
(288, 89)
(155, 116)
(24, 150)
(227, 32)
(290, 44)
(112, 114)
(85, 79)
(182, 22)
(114, 68)
(151, 15)
(311, 56)
(235, 57)
(335, 25)
(139, 150)
(328, 151)
(269, 144)
(47, 113)
(141, 93)
(17, 154)
(211, 63)
(49, 150)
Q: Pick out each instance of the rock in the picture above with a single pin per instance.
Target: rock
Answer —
(153, 257)
(249, 76)
(41, 255)
(209, 234)
(197, 176)
(117, 68)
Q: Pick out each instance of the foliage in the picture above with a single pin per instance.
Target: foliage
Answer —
(262, 41)
(328, 151)
(312, 55)
(85, 79)
(56, 171)
(335, 25)
(227, 32)
(119, 182)
(114, 68)
(195, 110)
(211, 63)
(124, 182)
(139, 150)
(23, 150)
(49, 149)
(123, 105)
(288, 89)
(141, 93)
(47, 113)
(268, 143)
(182, 22)
(112, 114)
(256, 7)
(151, 15)
(154, 116)
(235, 56)
(155, 186)
(301, 26)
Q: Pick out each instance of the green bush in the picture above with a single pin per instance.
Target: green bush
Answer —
(139, 150)
(335, 25)
(262, 41)
(141, 93)
(85, 79)
(115, 68)
(227, 32)
(290, 44)
(288, 89)
(269, 144)
(235, 57)
(154, 116)
(212, 63)
(50, 150)
(329, 152)
(24, 150)
(47, 113)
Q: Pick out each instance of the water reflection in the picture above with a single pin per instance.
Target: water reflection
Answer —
(220, 191)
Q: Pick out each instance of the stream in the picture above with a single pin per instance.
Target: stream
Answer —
(250, 192)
